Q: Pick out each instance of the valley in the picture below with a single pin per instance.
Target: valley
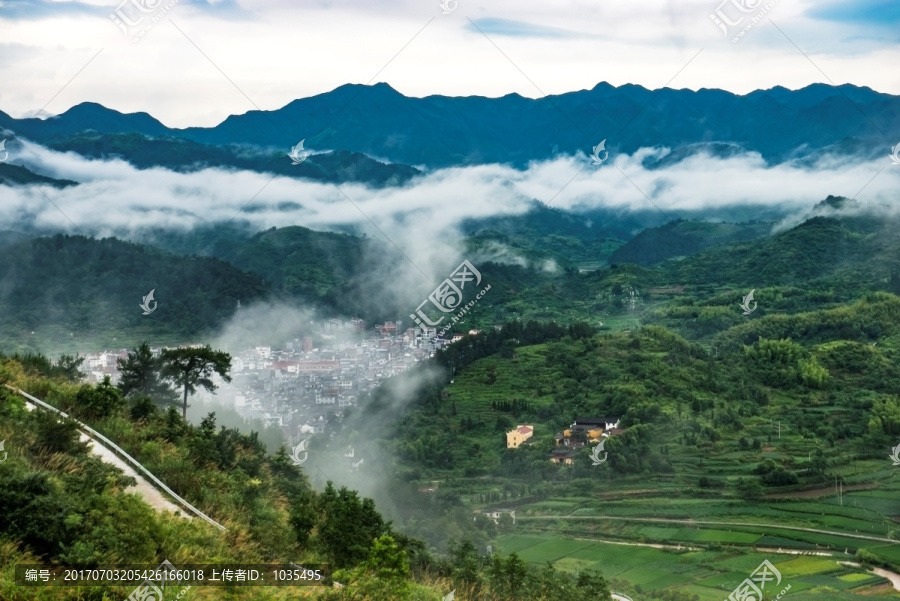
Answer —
(450, 301)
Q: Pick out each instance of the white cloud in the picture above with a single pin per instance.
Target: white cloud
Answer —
(422, 218)
(275, 52)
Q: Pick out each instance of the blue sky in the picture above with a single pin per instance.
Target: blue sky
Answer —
(195, 62)
(869, 13)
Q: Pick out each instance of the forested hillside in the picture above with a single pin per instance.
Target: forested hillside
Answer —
(17, 175)
(72, 285)
(184, 155)
(741, 431)
(63, 506)
(684, 238)
(72, 291)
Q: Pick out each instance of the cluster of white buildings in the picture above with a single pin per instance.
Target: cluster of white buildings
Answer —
(296, 387)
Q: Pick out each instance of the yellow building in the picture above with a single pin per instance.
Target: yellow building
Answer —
(516, 437)
(562, 456)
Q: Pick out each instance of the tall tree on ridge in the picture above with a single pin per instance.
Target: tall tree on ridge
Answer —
(192, 367)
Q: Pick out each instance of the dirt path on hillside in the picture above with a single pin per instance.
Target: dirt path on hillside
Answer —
(894, 578)
(705, 523)
(670, 547)
(818, 493)
(147, 491)
(630, 544)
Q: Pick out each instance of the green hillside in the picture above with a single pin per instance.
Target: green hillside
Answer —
(737, 428)
(72, 292)
(323, 268)
(65, 508)
(185, 155)
(17, 175)
(745, 435)
(727, 451)
(683, 238)
(816, 249)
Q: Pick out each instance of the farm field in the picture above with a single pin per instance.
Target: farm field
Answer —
(710, 575)
(800, 525)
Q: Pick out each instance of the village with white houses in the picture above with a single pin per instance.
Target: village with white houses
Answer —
(296, 387)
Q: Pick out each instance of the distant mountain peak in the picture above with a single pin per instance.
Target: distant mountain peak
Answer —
(832, 203)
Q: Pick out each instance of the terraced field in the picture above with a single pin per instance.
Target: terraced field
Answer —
(711, 575)
(790, 524)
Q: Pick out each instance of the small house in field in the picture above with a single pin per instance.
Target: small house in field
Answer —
(563, 456)
(495, 514)
(516, 437)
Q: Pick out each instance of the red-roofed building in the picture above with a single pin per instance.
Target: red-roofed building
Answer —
(288, 366)
(516, 437)
(306, 367)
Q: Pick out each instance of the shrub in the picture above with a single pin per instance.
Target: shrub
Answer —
(98, 401)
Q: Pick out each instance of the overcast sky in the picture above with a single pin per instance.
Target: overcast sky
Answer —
(202, 61)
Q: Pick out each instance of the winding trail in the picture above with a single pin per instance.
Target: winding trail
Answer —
(111, 453)
(151, 495)
(149, 487)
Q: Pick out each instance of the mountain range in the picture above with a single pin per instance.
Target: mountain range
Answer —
(441, 131)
